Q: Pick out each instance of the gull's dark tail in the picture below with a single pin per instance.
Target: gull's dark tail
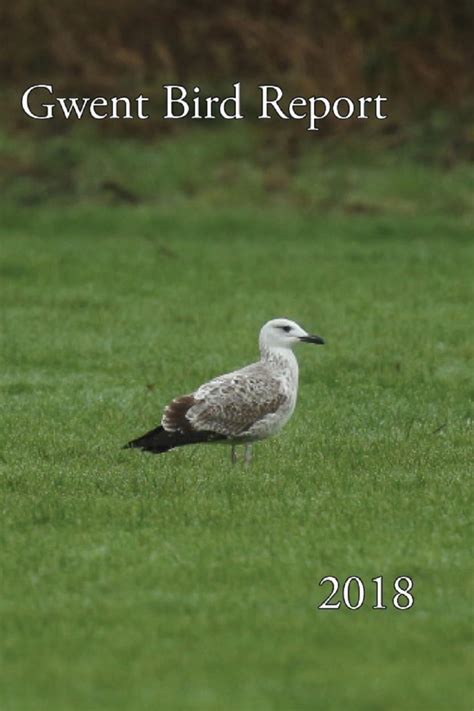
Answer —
(160, 440)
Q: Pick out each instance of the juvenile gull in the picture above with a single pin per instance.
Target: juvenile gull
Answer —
(241, 407)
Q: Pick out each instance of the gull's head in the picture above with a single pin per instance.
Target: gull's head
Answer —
(283, 333)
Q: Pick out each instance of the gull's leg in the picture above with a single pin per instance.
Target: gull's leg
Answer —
(248, 454)
(233, 454)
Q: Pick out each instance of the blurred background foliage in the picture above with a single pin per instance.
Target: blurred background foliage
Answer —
(418, 54)
(335, 47)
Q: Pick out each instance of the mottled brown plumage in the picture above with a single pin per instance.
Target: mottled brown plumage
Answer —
(246, 405)
(174, 417)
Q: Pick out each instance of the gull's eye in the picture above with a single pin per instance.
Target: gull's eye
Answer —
(286, 329)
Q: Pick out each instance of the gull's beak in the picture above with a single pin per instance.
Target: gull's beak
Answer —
(312, 339)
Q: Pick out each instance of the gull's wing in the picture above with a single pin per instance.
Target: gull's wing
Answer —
(228, 405)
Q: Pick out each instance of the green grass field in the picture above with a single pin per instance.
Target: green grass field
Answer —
(132, 582)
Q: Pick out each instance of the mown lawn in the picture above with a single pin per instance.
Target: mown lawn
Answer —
(131, 582)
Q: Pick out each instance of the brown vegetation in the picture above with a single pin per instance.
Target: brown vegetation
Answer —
(418, 52)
